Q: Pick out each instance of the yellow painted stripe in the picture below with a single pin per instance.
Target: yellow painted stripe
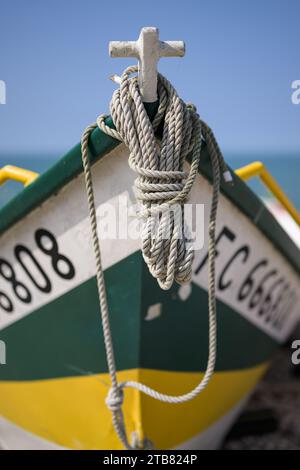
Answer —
(71, 412)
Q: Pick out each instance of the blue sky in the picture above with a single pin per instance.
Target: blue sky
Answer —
(241, 58)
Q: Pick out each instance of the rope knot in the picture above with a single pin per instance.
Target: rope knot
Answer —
(114, 399)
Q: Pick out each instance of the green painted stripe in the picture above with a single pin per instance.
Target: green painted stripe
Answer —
(66, 169)
(50, 182)
(64, 338)
(100, 144)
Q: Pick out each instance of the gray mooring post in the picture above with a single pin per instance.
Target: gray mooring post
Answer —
(148, 49)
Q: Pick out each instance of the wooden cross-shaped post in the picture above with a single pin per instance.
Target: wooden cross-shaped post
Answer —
(148, 49)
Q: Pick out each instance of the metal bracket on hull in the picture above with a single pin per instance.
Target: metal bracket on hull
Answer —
(259, 169)
(10, 172)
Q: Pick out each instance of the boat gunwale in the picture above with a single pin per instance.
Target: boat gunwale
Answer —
(70, 166)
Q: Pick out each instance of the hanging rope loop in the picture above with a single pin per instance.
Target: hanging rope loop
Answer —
(162, 187)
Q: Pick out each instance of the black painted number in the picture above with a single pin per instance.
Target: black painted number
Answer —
(19, 289)
(47, 243)
(21, 253)
(5, 303)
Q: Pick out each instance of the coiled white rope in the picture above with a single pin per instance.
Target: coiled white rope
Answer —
(161, 181)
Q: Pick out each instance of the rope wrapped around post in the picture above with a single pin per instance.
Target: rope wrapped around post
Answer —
(162, 186)
(161, 183)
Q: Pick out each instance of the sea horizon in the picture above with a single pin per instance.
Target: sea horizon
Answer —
(285, 169)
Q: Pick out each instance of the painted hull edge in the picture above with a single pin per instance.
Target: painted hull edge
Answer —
(40, 324)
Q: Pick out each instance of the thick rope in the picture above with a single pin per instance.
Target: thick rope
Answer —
(163, 183)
